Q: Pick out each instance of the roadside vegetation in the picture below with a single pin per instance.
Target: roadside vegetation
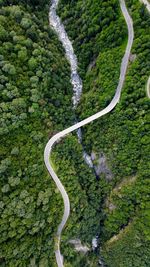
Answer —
(122, 135)
(36, 103)
(34, 78)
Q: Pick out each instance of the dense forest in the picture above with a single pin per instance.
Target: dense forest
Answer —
(34, 78)
(36, 102)
(99, 37)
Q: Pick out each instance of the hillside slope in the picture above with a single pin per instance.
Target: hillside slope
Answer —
(99, 36)
(36, 102)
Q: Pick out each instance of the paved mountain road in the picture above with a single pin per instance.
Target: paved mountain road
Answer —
(148, 87)
(147, 4)
(63, 133)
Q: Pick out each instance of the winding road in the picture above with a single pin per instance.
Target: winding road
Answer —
(58, 136)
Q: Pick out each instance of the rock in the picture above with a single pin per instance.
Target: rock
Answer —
(100, 262)
(102, 167)
(132, 57)
(78, 246)
(92, 64)
(111, 207)
(93, 156)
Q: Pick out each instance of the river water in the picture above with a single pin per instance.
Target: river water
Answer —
(77, 89)
(76, 81)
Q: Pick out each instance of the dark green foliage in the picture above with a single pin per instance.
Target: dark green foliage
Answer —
(34, 78)
(123, 134)
(97, 27)
(36, 103)
(33, 3)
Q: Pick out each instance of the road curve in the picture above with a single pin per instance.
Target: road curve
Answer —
(63, 133)
(147, 4)
(148, 87)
